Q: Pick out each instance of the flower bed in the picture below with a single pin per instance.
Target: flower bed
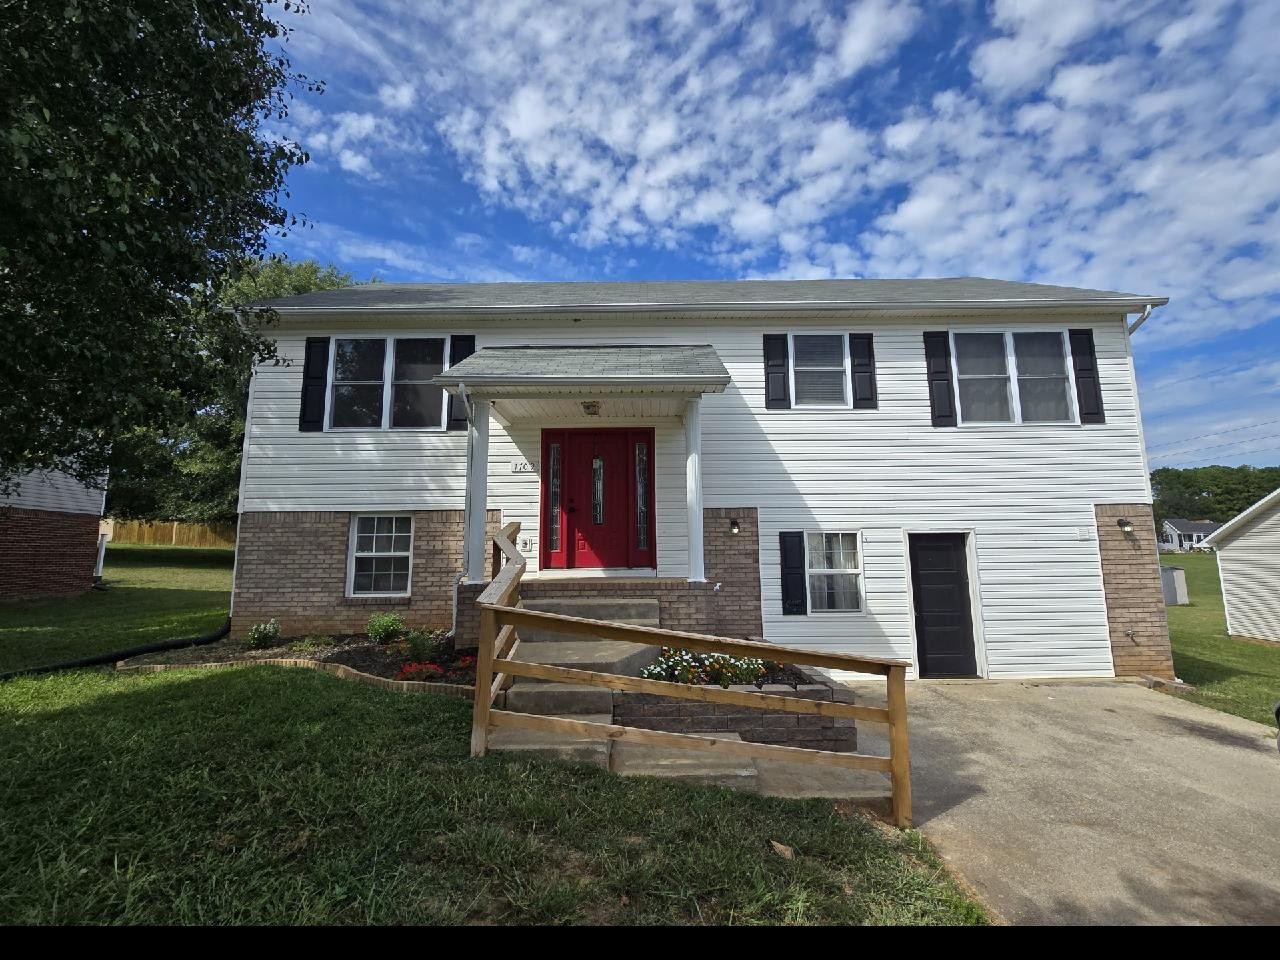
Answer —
(651, 712)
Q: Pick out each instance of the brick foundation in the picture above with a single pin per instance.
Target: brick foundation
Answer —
(755, 726)
(731, 560)
(44, 553)
(293, 566)
(1135, 601)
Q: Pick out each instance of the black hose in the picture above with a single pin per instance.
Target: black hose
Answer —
(125, 654)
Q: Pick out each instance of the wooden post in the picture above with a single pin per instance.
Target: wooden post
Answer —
(899, 755)
(484, 680)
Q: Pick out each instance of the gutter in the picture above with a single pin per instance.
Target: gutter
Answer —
(810, 306)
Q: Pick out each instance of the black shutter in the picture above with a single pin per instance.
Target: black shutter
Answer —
(459, 349)
(777, 384)
(862, 362)
(794, 596)
(1088, 387)
(937, 359)
(315, 373)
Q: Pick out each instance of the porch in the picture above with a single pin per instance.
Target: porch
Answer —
(596, 451)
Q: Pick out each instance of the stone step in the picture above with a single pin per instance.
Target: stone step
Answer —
(558, 698)
(554, 746)
(640, 613)
(602, 656)
(687, 766)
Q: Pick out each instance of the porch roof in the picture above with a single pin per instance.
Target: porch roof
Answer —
(612, 368)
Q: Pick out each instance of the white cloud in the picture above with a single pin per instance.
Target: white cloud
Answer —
(397, 96)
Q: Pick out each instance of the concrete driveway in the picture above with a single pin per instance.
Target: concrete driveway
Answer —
(1096, 802)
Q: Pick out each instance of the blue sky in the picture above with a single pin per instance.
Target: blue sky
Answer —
(1123, 144)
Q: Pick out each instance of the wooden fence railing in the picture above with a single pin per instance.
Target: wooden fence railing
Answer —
(501, 617)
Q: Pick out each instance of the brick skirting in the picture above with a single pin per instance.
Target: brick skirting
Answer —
(44, 553)
(293, 566)
(1135, 601)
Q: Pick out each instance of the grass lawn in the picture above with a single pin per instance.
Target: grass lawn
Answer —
(267, 795)
(1235, 676)
(155, 593)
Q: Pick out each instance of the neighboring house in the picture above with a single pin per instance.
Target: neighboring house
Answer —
(1186, 534)
(1248, 549)
(48, 537)
(946, 471)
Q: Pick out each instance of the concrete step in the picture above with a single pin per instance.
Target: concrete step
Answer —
(555, 746)
(603, 656)
(640, 613)
(558, 698)
(687, 766)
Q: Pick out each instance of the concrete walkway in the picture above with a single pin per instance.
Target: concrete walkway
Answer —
(1095, 802)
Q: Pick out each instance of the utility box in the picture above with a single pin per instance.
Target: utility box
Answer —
(1174, 582)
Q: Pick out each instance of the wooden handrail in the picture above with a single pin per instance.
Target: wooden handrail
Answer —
(501, 617)
(703, 643)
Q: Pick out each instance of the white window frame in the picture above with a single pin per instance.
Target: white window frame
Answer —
(388, 369)
(351, 554)
(791, 371)
(1011, 372)
(861, 580)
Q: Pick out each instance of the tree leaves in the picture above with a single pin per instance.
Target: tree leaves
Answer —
(137, 180)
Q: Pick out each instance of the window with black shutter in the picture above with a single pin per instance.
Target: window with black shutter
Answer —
(1084, 361)
(794, 595)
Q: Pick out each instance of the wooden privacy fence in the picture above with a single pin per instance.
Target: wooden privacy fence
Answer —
(501, 616)
(173, 534)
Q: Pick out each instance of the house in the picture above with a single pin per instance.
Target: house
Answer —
(1248, 549)
(49, 532)
(1186, 534)
(947, 471)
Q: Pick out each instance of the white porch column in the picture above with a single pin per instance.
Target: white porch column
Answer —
(693, 485)
(475, 545)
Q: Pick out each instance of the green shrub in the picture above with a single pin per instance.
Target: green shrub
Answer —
(426, 647)
(681, 666)
(385, 627)
(312, 642)
(263, 635)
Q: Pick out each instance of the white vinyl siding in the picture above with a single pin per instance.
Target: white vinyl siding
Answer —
(1026, 495)
(55, 492)
(1249, 563)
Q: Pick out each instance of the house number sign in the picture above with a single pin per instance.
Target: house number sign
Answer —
(523, 466)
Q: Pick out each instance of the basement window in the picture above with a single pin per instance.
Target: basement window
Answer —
(380, 557)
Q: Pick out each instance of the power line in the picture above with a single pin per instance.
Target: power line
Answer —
(1240, 366)
(1215, 433)
(1221, 446)
(1242, 453)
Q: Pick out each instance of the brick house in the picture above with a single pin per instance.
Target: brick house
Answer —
(945, 471)
(49, 533)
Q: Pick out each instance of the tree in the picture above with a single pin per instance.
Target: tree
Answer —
(1210, 493)
(189, 467)
(138, 179)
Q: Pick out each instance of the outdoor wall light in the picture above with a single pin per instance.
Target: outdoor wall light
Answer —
(734, 526)
(1125, 526)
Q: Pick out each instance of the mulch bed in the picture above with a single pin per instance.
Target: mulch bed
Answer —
(355, 651)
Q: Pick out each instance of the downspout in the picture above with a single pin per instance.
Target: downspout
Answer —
(457, 581)
(1133, 327)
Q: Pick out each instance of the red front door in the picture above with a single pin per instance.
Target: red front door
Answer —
(597, 498)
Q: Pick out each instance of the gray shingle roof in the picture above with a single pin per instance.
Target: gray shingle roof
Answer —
(698, 294)
(1194, 526)
(527, 365)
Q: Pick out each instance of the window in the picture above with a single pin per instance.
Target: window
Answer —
(381, 550)
(380, 383)
(1013, 377)
(642, 496)
(834, 571)
(553, 497)
(820, 370)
